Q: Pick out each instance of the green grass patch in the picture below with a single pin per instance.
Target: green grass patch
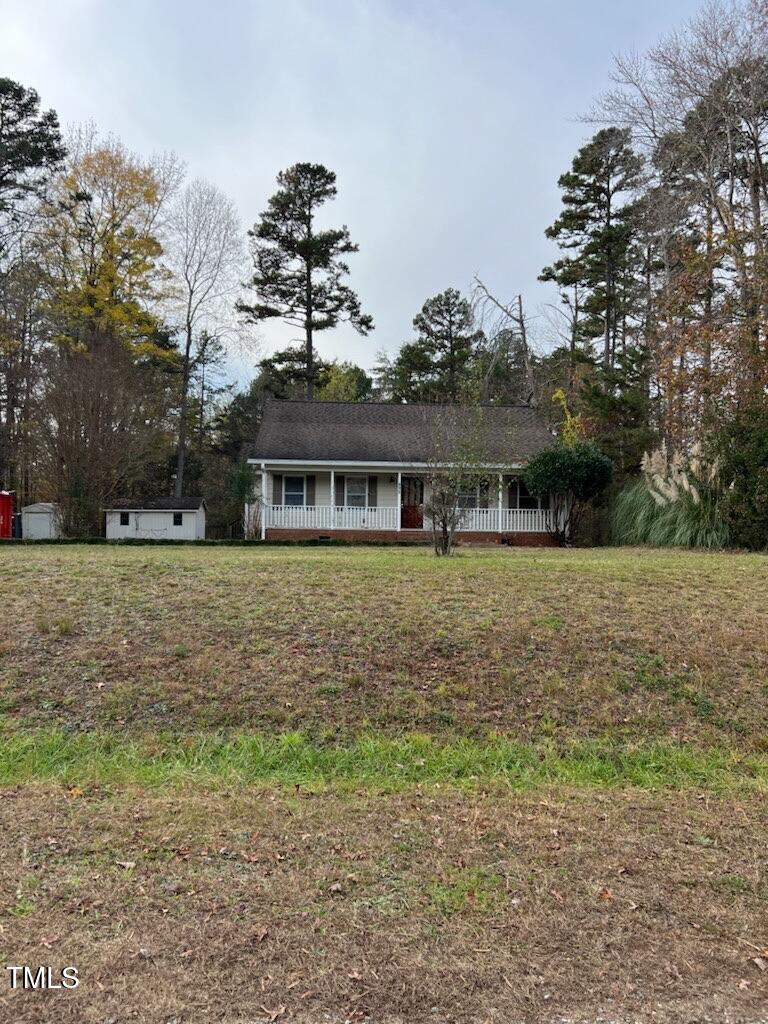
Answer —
(370, 761)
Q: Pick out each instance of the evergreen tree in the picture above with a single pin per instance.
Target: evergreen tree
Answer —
(30, 143)
(598, 233)
(299, 270)
(436, 365)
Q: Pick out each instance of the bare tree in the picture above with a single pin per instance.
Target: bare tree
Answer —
(504, 317)
(206, 253)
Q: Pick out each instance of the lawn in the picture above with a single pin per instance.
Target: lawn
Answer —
(346, 784)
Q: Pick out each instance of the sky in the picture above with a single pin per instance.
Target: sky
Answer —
(447, 123)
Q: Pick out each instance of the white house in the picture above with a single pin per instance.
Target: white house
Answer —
(41, 521)
(157, 519)
(361, 470)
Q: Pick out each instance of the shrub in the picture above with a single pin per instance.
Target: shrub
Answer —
(676, 503)
(570, 476)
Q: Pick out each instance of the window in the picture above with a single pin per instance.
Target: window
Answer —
(357, 491)
(293, 490)
(177, 519)
(467, 499)
(527, 500)
(125, 518)
(519, 496)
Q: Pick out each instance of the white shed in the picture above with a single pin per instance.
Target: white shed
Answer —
(41, 521)
(156, 519)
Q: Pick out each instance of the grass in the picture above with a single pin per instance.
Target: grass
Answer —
(440, 905)
(372, 762)
(310, 784)
(532, 644)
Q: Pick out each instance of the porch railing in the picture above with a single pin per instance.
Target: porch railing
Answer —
(327, 517)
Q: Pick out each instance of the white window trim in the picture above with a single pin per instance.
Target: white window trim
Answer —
(295, 476)
(355, 476)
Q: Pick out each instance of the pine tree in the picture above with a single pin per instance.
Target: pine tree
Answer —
(299, 270)
(436, 365)
(597, 231)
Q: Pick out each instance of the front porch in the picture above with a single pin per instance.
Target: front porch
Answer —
(328, 517)
(309, 502)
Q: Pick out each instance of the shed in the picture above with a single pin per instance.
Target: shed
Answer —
(156, 519)
(41, 521)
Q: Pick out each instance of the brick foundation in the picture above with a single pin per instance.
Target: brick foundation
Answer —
(528, 540)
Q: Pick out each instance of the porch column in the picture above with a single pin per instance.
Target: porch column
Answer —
(264, 502)
(501, 492)
(399, 499)
(333, 499)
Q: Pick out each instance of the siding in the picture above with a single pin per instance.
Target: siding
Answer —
(157, 526)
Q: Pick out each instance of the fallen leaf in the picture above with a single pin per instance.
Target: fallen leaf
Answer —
(605, 894)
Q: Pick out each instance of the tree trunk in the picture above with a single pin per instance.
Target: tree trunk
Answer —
(308, 317)
(181, 452)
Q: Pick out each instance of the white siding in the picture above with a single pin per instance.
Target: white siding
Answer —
(157, 525)
(40, 525)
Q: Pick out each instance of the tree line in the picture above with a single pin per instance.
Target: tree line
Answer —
(121, 292)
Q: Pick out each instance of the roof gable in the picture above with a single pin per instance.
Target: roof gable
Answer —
(372, 432)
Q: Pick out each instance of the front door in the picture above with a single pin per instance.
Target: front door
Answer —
(412, 501)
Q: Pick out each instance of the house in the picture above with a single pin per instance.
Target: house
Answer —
(157, 519)
(41, 521)
(360, 470)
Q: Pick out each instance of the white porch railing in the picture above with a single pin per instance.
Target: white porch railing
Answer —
(326, 517)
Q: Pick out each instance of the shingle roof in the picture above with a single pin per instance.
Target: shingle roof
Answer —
(386, 432)
(156, 504)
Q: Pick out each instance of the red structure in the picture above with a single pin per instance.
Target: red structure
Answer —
(6, 515)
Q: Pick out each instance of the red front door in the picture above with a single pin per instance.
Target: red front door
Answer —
(412, 502)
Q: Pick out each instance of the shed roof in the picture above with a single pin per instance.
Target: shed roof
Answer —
(42, 506)
(155, 505)
(372, 432)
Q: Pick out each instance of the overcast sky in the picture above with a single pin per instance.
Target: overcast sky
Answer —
(446, 122)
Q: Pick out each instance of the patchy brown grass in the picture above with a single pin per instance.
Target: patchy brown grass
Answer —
(613, 644)
(426, 906)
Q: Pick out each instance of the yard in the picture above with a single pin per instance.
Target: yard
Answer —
(325, 784)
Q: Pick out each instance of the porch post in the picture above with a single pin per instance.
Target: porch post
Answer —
(399, 499)
(264, 502)
(501, 491)
(333, 499)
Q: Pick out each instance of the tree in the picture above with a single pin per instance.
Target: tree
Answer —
(435, 366)
(284, 373)
(30, 151)
(345, 382)
(696, 103)
(506, 358)
(454, 468)
(30, 143)
(597, 232)
(568, 476)
(205, 254)
(742, 446)
(101, 235)
(110, 353)
(299, 270)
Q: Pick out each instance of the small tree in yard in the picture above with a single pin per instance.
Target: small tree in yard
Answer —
(569, 477)
(456, 470)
